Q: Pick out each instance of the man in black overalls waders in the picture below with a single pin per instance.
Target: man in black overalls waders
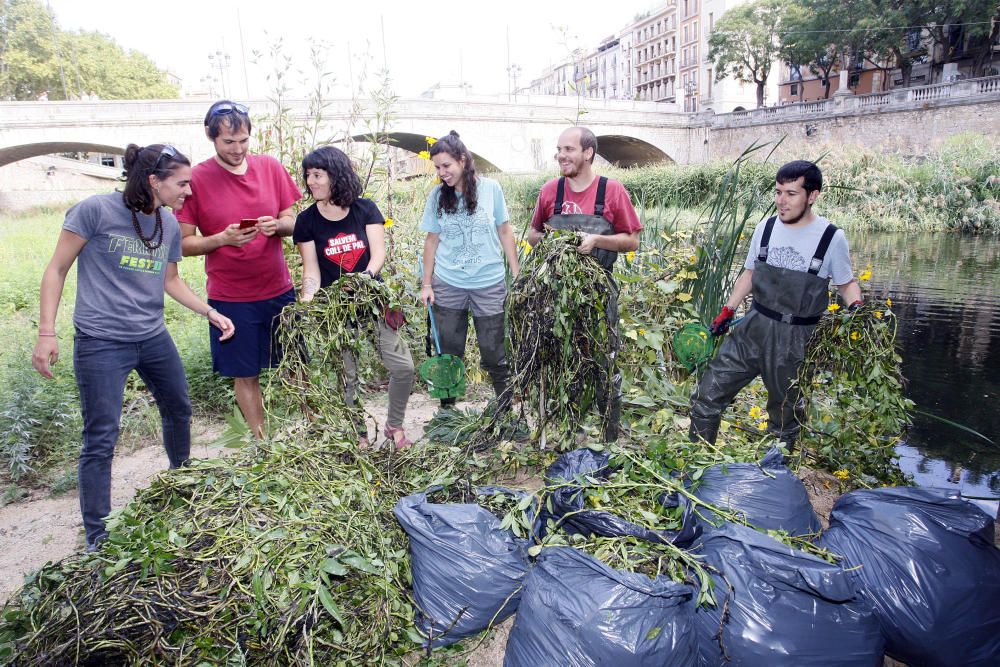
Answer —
(599, 209)
(788, 270)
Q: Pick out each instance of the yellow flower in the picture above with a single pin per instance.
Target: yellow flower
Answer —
(762, 425)
(642, 332)
(389, 222)
(755, 412)
(693, 259)
(425, 155)
(855, 335)
(684, 297)
(888, 302)
(842, 475)
(430, 141)
(630, 255)
(878, 314)
(833, 307)
(865, 275)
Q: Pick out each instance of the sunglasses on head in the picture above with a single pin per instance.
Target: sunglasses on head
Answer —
(167, 151)
(230, 107)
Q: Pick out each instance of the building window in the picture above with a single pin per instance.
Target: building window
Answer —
(853, 80)
(793, 89)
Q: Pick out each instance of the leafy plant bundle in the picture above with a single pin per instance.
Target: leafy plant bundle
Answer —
(314, 336)
(631, 554)
(562, 339)
(853, 385)
(287, 553)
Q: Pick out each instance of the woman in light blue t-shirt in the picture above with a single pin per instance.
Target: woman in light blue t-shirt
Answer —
(468, 236)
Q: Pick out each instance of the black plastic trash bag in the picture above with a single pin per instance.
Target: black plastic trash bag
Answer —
(928, 564)
(786, 608)
(576, 611)
(467, 571)
(767, 494)
(567, 503)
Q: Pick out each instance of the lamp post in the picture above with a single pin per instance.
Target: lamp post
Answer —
(512, 72)
(221, 60)
(689, 87)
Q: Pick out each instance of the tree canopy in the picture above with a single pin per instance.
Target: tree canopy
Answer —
(33, 48)
(824, 36)
(746, 41)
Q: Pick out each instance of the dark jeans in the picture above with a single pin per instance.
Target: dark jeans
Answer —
(101, 368)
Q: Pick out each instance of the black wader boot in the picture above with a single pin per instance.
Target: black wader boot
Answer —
(490, 332)
(453, 327)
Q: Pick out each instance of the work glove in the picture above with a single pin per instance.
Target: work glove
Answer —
(854, 305)
(720, 325)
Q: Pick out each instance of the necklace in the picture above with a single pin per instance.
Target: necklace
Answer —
(157, 231)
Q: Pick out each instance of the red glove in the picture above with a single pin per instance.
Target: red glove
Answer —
(394, 317)
(720, 325)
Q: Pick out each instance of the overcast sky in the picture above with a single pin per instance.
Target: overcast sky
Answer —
(425, 43)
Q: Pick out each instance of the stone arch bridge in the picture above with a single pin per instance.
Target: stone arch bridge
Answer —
(518, 137)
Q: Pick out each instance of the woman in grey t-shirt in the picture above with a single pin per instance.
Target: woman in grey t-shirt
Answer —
(128, 247)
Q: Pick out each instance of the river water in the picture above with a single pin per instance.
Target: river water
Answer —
(945, 291)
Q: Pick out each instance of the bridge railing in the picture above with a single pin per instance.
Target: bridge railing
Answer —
(966, 90)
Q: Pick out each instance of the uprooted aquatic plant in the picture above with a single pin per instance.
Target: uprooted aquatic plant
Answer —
(563, 342)
(852, 381)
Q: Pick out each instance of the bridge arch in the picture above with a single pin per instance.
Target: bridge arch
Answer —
(12, 154)
(624, 151)
(418, 142)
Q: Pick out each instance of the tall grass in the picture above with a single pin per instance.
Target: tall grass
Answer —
(955, 186)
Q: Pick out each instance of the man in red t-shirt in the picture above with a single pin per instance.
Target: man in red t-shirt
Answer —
(575, 154)
(600, 209)
(240, 208)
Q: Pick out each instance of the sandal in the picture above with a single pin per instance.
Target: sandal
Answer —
(397, 436)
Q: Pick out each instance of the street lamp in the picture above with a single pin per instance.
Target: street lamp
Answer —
(689, 87)
(221, 60)
(512, 72)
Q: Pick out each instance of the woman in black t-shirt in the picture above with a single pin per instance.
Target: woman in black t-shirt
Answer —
(343, 233)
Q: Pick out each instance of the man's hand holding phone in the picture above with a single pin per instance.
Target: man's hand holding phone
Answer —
(240, 233)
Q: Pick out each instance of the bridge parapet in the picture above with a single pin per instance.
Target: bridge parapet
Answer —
(900, 99)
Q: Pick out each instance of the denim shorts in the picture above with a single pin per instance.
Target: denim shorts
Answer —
(254, 346)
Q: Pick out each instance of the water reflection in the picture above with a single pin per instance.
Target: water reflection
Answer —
(945, 290)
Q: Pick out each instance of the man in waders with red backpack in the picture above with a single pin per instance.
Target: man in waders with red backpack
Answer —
(793, 257)
(599, 209)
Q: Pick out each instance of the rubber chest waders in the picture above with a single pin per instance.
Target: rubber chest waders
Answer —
(770, 342)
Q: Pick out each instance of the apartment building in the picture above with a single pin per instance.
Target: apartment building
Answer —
(691, 53)
(654, 54)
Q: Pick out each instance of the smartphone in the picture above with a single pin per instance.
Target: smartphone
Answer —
(247, 223)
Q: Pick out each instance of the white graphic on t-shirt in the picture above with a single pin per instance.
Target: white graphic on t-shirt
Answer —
(786, 257)
(571, 208)
(462, 228)
(345, 250)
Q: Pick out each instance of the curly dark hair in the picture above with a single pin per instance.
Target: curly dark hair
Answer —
(448, 199)
(345, 186)
(140, 163)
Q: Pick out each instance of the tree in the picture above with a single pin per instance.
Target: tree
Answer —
(746, 42)
(32, 49)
